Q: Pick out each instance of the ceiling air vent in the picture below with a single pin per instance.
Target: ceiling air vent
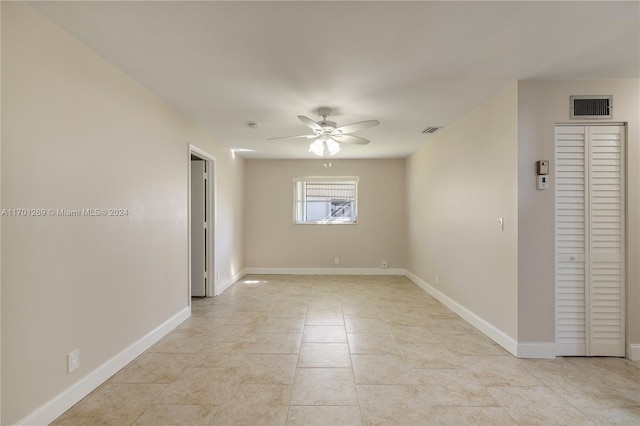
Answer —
(431, 129)
(590, 107)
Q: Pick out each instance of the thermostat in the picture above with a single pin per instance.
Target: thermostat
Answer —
(542, 167)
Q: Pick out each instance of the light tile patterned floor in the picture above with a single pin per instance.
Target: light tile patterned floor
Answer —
(347, 350)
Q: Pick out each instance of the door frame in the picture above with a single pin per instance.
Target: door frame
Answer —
(211, 286)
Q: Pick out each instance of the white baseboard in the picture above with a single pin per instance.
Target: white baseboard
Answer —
(633, 352)
(494, 333)
(52, 409)
(540, 350)
(325, 271)
(227, 283)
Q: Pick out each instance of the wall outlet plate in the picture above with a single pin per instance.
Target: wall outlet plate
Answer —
(384, 264)
(73, 360)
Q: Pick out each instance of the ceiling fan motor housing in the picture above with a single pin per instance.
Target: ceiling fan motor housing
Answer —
(328, 125)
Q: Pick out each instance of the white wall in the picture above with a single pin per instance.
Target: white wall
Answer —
(229, 233)
(542, 105)
(78, 133)
(272, 240)
(458, 184)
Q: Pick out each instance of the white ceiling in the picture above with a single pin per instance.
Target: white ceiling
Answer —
(408, 64)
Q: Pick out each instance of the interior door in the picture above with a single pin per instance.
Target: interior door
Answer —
(198, 229)
(606, 240)
(590, 244)
(571, 251)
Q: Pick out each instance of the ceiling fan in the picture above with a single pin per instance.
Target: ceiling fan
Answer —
(328, 134)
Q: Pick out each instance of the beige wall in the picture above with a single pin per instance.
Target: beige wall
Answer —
(458, 184)
(272, 240)
(542, 105)
(78, 133)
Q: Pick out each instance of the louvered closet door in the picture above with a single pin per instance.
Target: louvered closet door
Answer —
(606, 242)
(571, 251)
(590, 240)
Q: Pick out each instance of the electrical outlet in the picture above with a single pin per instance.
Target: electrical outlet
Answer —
(385, 264)
(437, 279)
(336, 260)
(73, 360)
(500, 224)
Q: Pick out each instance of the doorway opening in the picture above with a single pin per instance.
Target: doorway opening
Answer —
(201, 223)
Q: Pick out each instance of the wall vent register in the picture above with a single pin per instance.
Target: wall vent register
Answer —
(591, 107)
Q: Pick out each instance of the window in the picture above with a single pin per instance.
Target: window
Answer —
(325, 200)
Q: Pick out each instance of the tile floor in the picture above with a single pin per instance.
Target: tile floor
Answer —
(349, 350)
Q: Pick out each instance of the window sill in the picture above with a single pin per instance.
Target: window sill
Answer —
(325, 223)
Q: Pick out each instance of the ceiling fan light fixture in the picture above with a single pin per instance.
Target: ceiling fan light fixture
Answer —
(332, 146)
(317, 147)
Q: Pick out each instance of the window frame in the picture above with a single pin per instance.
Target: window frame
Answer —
(328, 179)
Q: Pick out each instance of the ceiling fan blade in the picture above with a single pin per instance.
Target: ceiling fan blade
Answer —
(350, 139)
(310, 123)
(293, 137)
(354, 127)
